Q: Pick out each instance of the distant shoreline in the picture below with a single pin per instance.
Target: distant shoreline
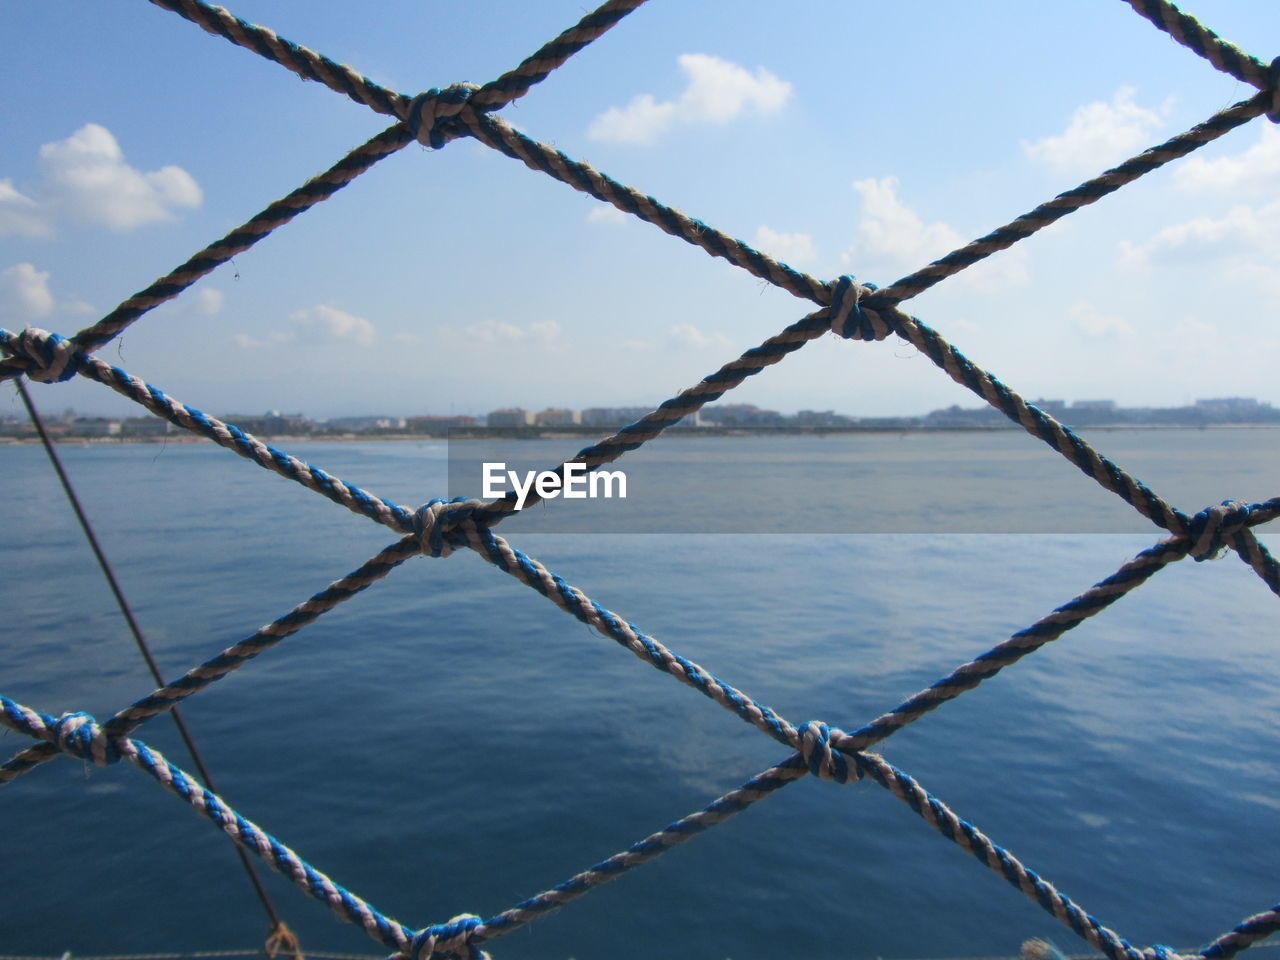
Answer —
(580, 433)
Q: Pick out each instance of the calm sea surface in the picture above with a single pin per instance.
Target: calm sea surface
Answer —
(451, 742)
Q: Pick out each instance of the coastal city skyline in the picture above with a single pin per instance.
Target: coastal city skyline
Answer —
(1210, 411)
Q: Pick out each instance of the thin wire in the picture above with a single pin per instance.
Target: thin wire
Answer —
(136, 630)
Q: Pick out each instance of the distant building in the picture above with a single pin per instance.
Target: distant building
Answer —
(1099, 405)
(94, 427)
(1051, 407)
(963, 418)
(1231, 406)
(510, 417)
(437, 426)
(742, 415)
(821, 418)
(271, 423)
(1086, 413)
(889, 423)
(557, 417)
(144, 427)
(364, 424)
(1237, 410)
(612, 416)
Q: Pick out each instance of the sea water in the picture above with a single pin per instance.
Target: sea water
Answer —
(449, 741)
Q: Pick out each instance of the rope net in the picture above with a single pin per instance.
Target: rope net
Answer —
(845, 306)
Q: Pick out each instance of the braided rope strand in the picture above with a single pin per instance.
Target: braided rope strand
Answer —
(509, 86)
(346, 905)
(1202, 41)
(315, 190)
(974, 842)
(170, 695)
(227, 435)
(306, 63)
(501, 136)
(651, 847)
(340, 78)
(1246, 933)
(1039, 424)
(1045, 630)
(686, 402)
(516, 83)
(573, 601)
(237, 655)
(1002, 238)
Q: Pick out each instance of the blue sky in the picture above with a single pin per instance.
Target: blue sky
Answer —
(838, 136)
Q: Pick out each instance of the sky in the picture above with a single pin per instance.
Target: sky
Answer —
(840, 137)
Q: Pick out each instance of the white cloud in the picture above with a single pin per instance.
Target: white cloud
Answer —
(542, 332)
(687, 336)
(1243, 246)
(85, 177)
(207, 301)
(717, 92)
(318, 324)
(791, 248)
(24, 293)
(892, 230)
(248, 342)
(1244, 233)
(1257, 167)
(1099, 135)
(21, 215)
(324, 323)
(606, 213)
(893, 237)
(1086, 318)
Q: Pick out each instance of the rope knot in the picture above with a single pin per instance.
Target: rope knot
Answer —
(431, 115)
(79, 735)
(1273, 74)
(452, 939)
(441, 525)
(852, 319)
(52, 357)
(1212, 527)
(825, 763)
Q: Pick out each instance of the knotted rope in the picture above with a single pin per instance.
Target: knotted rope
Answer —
(1213, 528)
(79, 735)
(50, 358)
(282, 941)
(442, 525)
(75, 734)
(452, 939)
(824, 762)
(854, 319)
(429, 114)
